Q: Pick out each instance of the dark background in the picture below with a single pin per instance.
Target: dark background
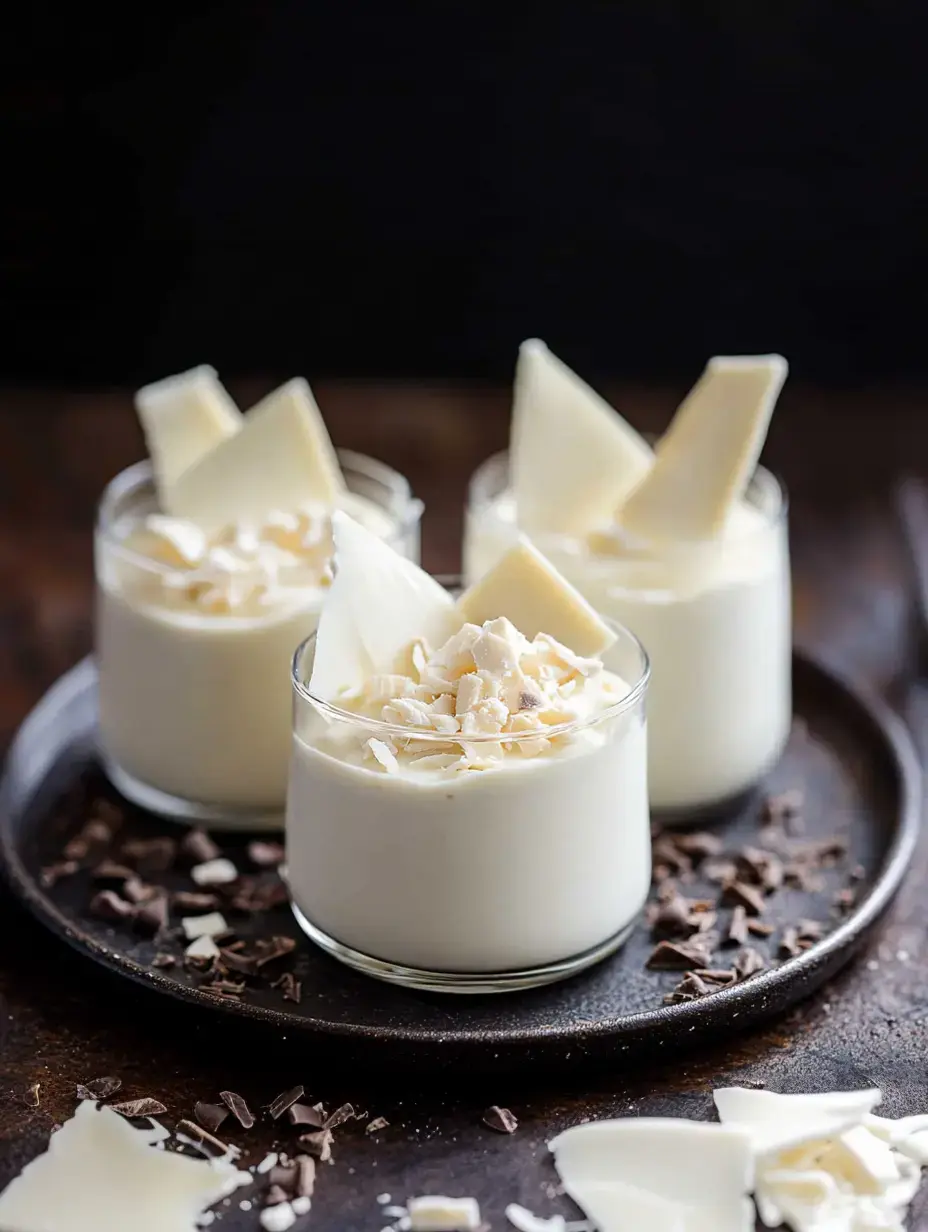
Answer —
(400, 189)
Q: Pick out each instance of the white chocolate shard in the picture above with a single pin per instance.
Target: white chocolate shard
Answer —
(281, 460)
(183, 418)
(100, 1174)
(378, 604)
(527, 590)
(704, 460)
(573, 457)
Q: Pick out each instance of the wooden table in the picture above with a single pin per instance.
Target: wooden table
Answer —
(61, 1021)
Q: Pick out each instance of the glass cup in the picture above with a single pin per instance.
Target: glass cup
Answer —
(478, 881)
(195, 707)
(715, 618)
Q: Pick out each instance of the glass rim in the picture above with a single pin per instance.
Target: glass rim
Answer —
(139, 475)
(761, 475)
(628, 702)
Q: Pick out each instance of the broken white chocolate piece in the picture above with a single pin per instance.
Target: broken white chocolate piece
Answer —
(203, 948)
(214, 872)
(213, 924)
(704, 460)
(183, 418)
(529, 592)
(281, 460)
(100, 1174)
(440, 1214)
(573, 458)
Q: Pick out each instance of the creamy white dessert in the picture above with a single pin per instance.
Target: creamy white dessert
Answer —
(468, 798)
(686, 545)
(212, 565)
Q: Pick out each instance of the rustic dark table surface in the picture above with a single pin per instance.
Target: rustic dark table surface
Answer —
(62, 1021)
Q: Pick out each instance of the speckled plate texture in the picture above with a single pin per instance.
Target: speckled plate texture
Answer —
(849, 755)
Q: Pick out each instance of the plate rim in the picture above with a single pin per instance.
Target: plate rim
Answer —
(816, 964)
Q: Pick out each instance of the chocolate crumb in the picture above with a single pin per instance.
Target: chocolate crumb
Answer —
(210, 1116)
(699, 845)
(53, 873)
(737, 894)
(218, 986)
(748, 962)
(164, 961)
(302, 1114)
(150, 855)
(318, 1144)
(500, 1119)
(98, 1088)
(345, 1112)
(112, 872)
(789, 945)
(759, 928)
(266, 855)
(152, 917)
(679, 955)
(290, 987)
(238, 1108)
(195, 901)
(375, 1126)
(134, 1108)
(285, 1100)
(107, 905)
(199, 1137)
(197, 847)
(305, 1176)
(737, 928)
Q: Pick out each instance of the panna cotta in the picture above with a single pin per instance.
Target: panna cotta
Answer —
(468, 804)
(685, 544)
(212, 562)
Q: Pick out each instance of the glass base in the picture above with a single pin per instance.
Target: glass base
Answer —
(188, 812)
(460, 981)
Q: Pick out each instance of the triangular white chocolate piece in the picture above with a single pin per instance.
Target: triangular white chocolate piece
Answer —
(280, 461)
(704, 460)
(100, 1174)
(708, 1169)
(379, 602)
(526, 588)
(183, 417)
(573, 458)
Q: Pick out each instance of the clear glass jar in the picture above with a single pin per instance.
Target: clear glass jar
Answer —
(195, 707)
(470, 881)
(715, 618)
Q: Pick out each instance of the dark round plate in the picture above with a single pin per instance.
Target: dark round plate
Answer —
(848, 753)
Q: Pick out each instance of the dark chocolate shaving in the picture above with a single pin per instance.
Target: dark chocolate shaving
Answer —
(737, 894)
(699, 845)
(748, 962)
(500, 1119)
(53, 873)
(107, 905)
(113, 873)
(717, 975)
(343, 1113)
(238, 1108)
(305, 1177)
(318, 1144)
(810, 930)
(210, 1116)
(197, 847)
(201, 1138)
(152, 917)
(195, 900)
(285, 1100)
(290, 987)
(671, 918)
(269, 951)
(760, 868)
(375, 1126)
(98, 1088)
(303, 1114)
(737, 927)
(266, 855)
(759, 928)
(150, 855)
(679, 955)
(145, 1107)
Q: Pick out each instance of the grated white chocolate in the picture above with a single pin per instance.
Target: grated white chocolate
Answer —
(241, 570)
(487, 684)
